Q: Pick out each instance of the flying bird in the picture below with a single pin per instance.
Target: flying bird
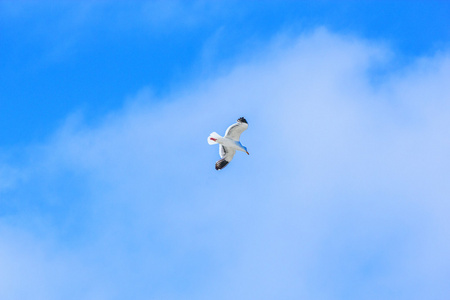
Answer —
(229, 143)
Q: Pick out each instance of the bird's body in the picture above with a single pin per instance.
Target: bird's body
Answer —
(229, 143)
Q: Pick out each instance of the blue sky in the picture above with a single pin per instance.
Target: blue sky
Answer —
(108, 188)
(64, 57)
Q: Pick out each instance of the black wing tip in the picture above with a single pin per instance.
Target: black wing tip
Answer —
(220, 164)
(242, 120)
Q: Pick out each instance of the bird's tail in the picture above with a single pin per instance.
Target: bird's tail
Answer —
(212, 139)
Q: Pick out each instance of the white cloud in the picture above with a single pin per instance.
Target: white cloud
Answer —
(343, 195)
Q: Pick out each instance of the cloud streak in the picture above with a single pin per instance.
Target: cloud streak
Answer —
(344, 195)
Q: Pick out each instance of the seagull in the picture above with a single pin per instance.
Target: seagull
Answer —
(229, 143)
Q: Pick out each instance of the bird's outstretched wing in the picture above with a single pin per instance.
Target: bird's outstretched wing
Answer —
(226, 154)
(234, 131)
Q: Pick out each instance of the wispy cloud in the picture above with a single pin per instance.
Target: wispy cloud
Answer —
(343, 195)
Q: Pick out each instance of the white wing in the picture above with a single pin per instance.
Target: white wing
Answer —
(234, 131)
(226, 154)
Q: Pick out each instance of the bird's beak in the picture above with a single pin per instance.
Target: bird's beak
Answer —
(247, 152)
